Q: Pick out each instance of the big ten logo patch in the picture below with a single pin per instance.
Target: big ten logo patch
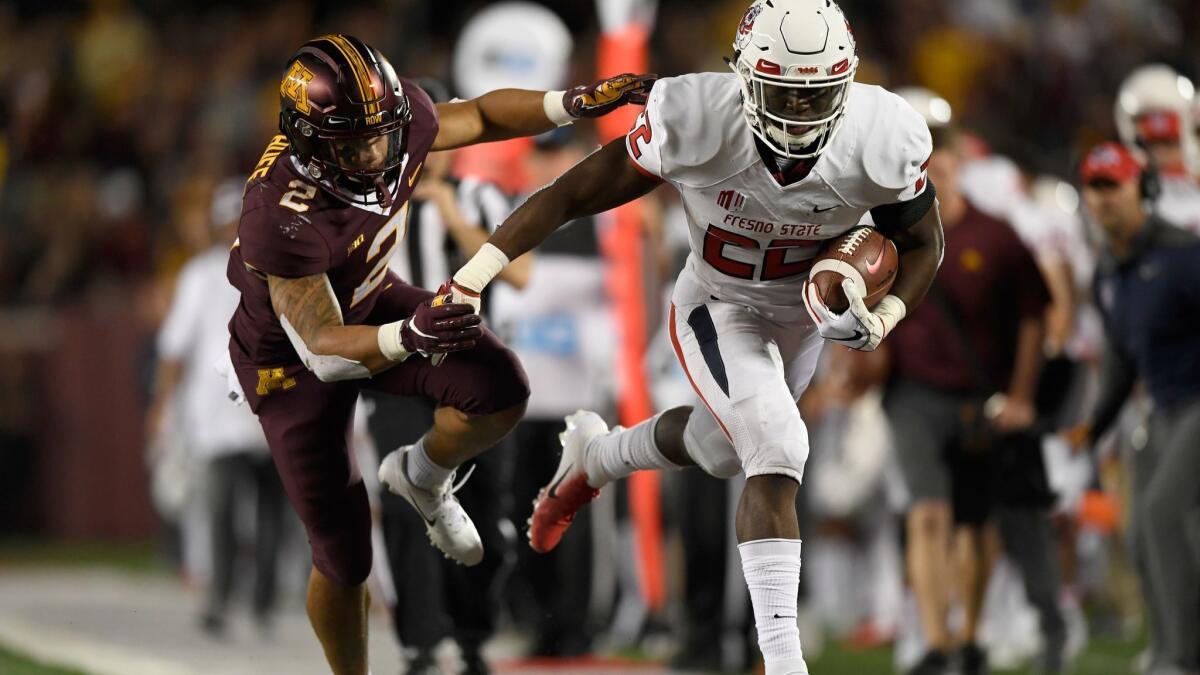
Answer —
(295, 86)
(273, 379)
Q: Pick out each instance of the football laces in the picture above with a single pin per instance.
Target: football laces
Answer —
(856, 238)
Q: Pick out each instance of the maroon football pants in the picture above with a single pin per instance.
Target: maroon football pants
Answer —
(307, 424)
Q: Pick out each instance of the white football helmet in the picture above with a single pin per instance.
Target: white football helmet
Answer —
(1156, 94)
(933, 108)
(796, 60)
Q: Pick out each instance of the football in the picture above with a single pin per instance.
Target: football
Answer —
(862, 254)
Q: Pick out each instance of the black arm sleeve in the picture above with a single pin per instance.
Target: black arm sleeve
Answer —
(892, 219)
(1118, 374)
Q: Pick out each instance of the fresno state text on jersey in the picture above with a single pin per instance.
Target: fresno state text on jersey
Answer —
(753, 240)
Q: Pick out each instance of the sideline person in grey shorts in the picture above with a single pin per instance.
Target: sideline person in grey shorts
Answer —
(989, 295)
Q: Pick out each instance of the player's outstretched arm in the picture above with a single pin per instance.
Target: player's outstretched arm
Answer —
(309, 312)
(921, 248)
(511, 113)
(603, 180)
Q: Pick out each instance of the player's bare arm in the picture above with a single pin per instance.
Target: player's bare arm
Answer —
(921, 247)
(512, 113)
(603, 180)
(309, 312)
(308, 305)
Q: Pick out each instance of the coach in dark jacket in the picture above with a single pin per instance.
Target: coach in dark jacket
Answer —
(1148, 289)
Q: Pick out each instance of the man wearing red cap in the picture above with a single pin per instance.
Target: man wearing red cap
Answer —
(1148, 289)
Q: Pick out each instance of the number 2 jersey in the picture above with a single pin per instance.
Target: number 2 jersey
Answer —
(290, 227)
(753, 240)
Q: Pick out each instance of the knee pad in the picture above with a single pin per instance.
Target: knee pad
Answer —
(707, 445)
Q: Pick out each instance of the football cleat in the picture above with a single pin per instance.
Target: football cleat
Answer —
(557, 503)
(446, 522)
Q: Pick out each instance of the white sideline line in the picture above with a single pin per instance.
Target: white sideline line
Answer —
(69, 650)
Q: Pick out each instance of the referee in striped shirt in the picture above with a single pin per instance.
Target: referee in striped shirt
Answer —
(449, 219)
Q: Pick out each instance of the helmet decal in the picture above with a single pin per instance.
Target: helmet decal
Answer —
(746, 26)
(295, 86)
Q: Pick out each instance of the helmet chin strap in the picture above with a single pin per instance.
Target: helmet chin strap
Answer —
(381, 191)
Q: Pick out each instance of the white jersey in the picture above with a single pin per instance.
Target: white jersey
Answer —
(195, 333)
(753, 240)
(1179, 202)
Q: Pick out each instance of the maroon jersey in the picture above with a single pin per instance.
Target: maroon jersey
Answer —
(992, 279)
(290, 227)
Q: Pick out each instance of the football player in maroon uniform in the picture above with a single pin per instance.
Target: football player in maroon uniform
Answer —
(320, 315)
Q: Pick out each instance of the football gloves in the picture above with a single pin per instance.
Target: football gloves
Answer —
(457, 296)
(460, 294)
(440, 326)
(858, 328)
(604, 96)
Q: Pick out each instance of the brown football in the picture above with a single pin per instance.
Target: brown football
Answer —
(862, 250)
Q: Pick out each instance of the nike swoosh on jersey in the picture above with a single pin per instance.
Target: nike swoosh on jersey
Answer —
(412, 178)
(873, 266)
(827, 208)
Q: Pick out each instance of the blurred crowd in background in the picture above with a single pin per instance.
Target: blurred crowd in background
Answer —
(121, 120)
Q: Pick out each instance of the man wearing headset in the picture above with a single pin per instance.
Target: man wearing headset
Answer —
(1148, 289)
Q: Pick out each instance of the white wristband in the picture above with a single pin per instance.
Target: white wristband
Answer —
(552, 104)
(890, 310)
(481, 268)
(390, 344)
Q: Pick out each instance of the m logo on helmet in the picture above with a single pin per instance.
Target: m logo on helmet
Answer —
(295, 86)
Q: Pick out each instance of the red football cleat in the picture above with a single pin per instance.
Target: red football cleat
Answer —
(557, 503)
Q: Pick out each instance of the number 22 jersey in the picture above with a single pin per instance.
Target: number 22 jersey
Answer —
(753, 240)
(290, 227)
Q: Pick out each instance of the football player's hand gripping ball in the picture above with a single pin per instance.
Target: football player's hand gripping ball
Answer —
(857, 328)
(604, 96)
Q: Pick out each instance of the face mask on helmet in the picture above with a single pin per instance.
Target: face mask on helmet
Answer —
(361, 169)
(796, 115)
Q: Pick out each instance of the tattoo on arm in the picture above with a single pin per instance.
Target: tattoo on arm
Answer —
(308, 302)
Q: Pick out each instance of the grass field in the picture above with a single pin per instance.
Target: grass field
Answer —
(12, 663)
(1103, 657)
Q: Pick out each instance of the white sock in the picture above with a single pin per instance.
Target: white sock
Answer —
(772, 571)
(623, 451)
(423, 471)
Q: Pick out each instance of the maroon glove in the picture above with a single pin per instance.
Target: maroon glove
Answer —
(604, 96)
(438, 327)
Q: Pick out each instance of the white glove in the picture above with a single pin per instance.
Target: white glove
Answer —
(878, 323)
(460, 295)
(857, 328)
(843, 328)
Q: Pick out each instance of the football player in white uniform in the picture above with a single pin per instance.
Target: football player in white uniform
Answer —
(1154, 115)
(769, 160)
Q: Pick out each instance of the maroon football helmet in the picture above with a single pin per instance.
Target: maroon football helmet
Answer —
(345, 114)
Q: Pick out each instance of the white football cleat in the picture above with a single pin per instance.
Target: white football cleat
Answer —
(446, 522)
(557, 503)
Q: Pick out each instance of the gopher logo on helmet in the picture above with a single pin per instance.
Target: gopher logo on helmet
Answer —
(295, 86)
